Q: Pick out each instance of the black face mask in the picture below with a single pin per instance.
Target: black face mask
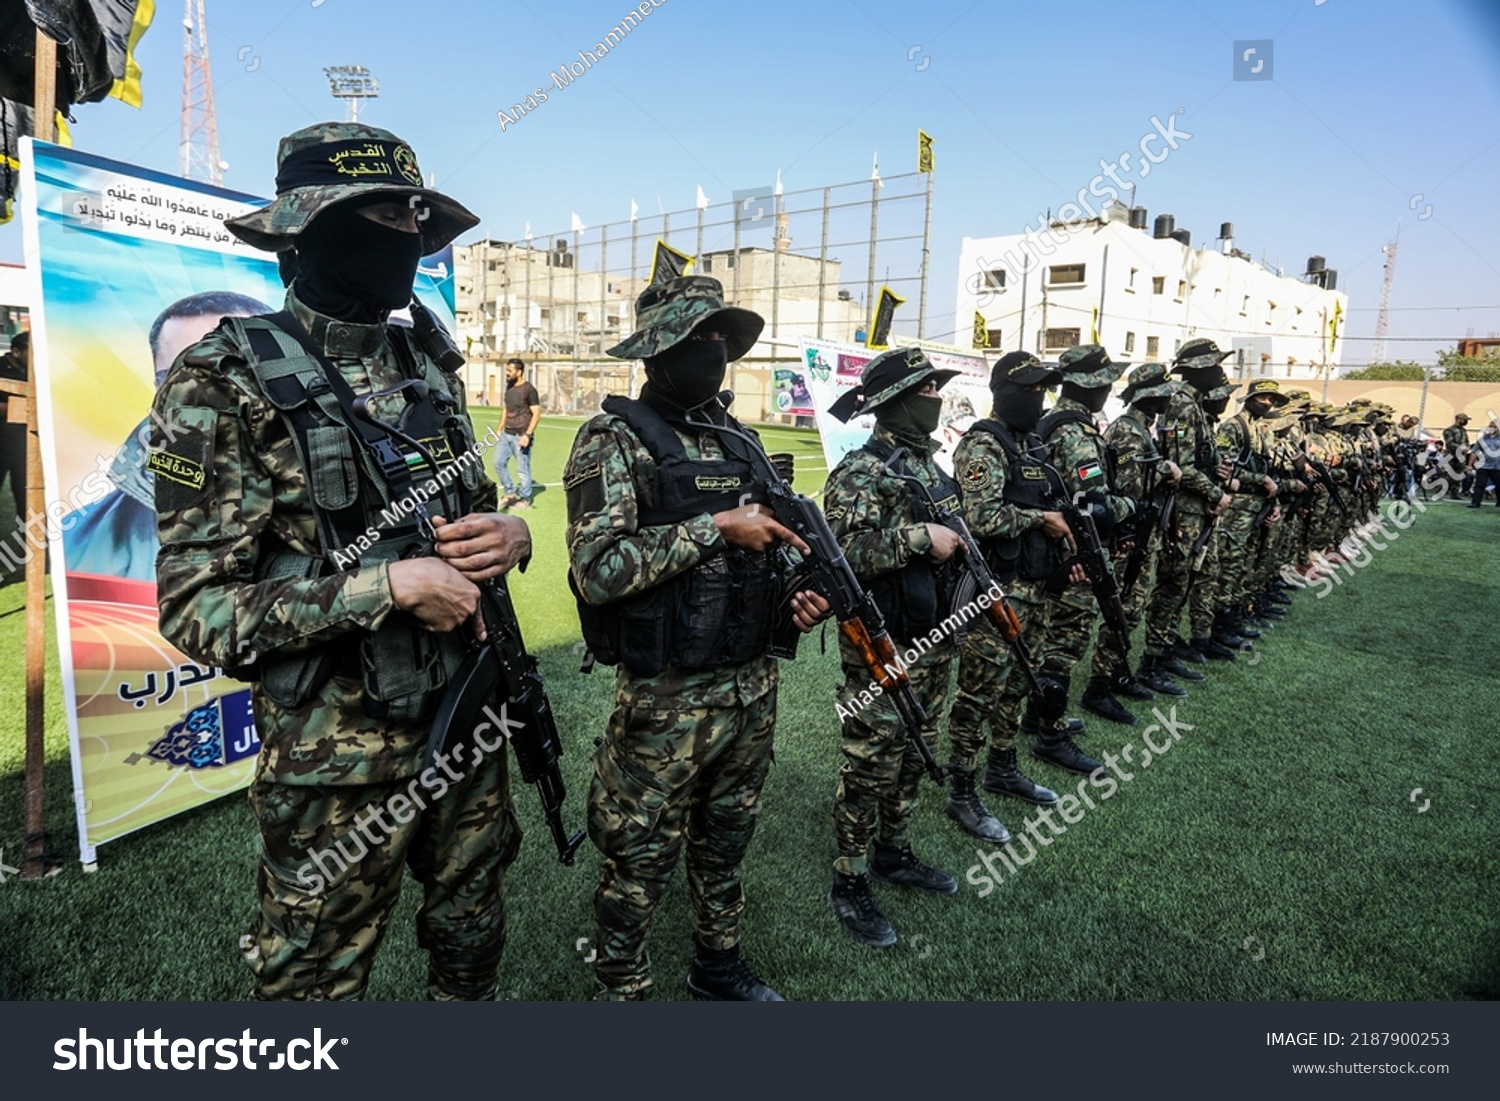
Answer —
(1216, 408)
(1017, 407)
(687, 374)
(1091, 398)
(1152, 407)
(912, 418)
(354, 269)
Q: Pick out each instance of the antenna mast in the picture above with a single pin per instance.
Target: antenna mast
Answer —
(200, 127)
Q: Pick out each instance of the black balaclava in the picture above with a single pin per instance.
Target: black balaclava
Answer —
(1019, 406)
(1216, 408)
(911, 417)
(1258, 407)
(686, 375)
(354, 269)
(1206, 379)
(1091, 398)
(1153, 407)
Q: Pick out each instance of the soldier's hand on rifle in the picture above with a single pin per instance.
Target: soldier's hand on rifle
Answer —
(1223, 504)
(1271, 487)
(945, 542)
(1275, 516)
(436, 593)
(1224, 471)
(1174, 472)
(808, 610)
(754, 528)
(482, 545)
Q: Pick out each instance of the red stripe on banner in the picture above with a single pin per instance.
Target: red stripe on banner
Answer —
(110, 590)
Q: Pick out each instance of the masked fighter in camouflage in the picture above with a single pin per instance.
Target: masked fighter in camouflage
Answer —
(906, 562)
(1086, 464)
(262, 480)
(672, 562)
(1006, 488)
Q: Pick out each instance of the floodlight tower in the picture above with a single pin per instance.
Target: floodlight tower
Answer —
(353, 84)
(199, 143)
(1383, 318)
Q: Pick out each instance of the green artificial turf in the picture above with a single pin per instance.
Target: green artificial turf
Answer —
(1274, 852)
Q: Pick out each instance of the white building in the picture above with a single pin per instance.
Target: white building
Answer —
(1145, 293)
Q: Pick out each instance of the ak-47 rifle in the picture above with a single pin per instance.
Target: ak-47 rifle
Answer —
(825, 570)
(1089, 553)
(1152, 514)
(498, 670)
(1324, 478)
(1199, 553)
(978, 578)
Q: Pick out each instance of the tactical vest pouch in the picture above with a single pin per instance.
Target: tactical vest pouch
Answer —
(724, 610)
(291, 679)
(405, 668)
(331, 473)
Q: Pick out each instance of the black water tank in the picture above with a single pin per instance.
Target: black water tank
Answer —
(1330, 279)
(1315, 264)
(1226, 231)
(1137, 217)
(1182, 237)
(1164, 224)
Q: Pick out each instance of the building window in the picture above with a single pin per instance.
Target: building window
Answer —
(1153, 347)
(1129, 342)
(505, 313)
(1181, 287)
(995, 278)
(1158, 284)
(1063, 275)
(707, 265)
(995, 339)
(613, 321)
(1218, 291)
(1131, 281)
(1245, 304)
(546, 313)
(1058, 339)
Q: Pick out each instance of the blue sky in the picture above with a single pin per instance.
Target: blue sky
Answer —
(1372, 102)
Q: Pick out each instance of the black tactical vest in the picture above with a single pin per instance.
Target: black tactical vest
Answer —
(1029, 484)
(916, 598)
(359, 487)
(722, 610)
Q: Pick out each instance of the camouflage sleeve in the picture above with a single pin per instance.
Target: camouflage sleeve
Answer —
(1185, 424)
(1128, 442)
(980, 463)
(215, 501)
(869, 511)
(611, 555)
(1075, 452)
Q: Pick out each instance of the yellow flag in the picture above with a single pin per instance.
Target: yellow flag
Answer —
(880, 325)
(1094, 327)
(924, 151)
(1333, 326)
(981, 331)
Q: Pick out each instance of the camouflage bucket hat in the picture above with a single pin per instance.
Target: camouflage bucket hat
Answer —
(1266, 388)
(1198, 355)
(1089, 366)
(1149, 380)
(1023, 369)
(667, 313)
(888, 376)
(1219, 393)
(333, 161)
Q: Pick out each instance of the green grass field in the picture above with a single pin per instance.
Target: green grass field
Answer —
(1277, 851)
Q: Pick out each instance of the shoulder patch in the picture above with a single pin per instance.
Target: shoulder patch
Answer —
(577, 477)
(977, 476)
(181, 459)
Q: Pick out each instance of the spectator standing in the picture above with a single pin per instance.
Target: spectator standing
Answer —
(523, 409)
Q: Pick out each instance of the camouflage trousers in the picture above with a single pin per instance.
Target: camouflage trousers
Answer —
(330, 874)
(1237, 534)
(1070, 629)
(880, 779)
(663, 777)
(991, 684)
(1107, 655)
(1170, 593)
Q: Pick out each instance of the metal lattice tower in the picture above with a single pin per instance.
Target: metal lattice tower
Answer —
(199, 143)
(1383, 318)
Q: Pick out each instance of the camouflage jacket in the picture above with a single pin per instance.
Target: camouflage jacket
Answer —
(608, 478)
(1456, 441)
(981, 466)
(1189, 438)
(1130, 435)
(248, 497)
(1082, 457)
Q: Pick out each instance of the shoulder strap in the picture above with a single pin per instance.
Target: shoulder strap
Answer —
(1059, 417)
(649, 426)
(1001, 433)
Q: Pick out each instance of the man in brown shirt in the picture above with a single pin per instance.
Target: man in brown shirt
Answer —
(523, 409)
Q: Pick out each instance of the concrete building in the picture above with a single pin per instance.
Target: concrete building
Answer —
(1146, 292)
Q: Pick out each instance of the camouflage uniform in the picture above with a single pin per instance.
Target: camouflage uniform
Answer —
(1249, 441)
(231, 497)
(685, 753)
(1455, 453)
(1189, 444)
(1086, 464)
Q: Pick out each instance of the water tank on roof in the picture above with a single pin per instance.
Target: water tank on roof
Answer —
(1226, 231)
(1315, 264)
(1137, 217)
(1182, 237)
(1164, 225)
(1330, 279)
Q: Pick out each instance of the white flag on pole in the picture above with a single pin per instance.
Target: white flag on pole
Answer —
(702, 199)
(634, 210)
(578, 226)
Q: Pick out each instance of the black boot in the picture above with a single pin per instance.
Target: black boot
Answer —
(1097, 698)
(1059, 749)
(966, 808)
(1186, 651)
(1212, 648)
(1223, 633)
(1004, 777)
(901, 868)
(1031, 725)
(1240, 624)
(722, 975)
(1170, 665)
(851, 900)
(1156, 678)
